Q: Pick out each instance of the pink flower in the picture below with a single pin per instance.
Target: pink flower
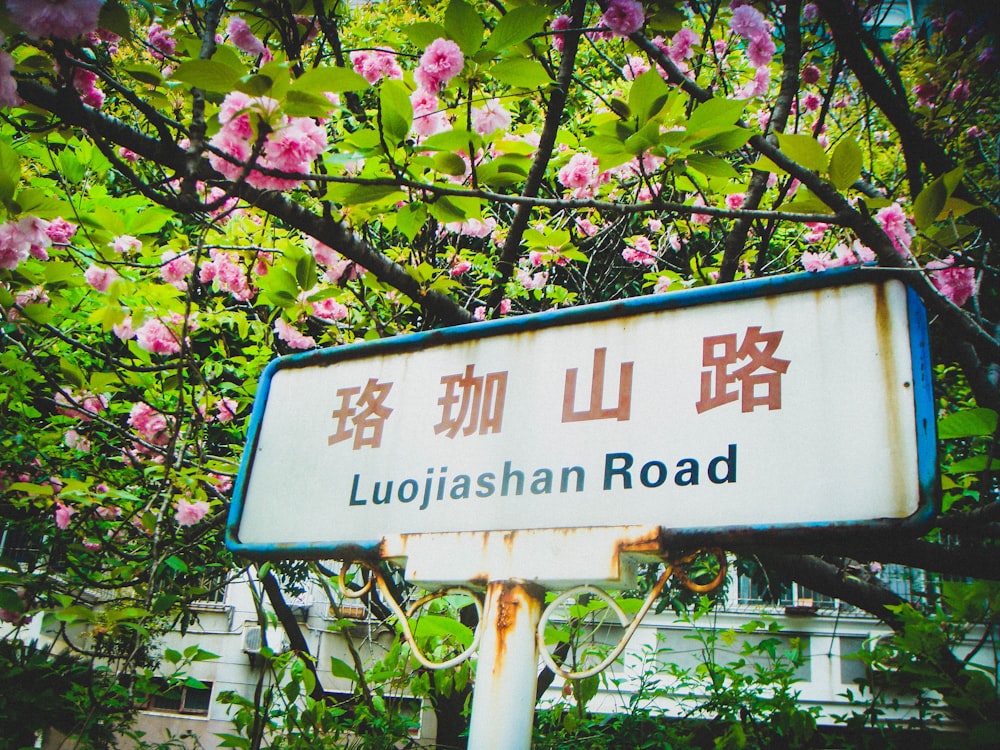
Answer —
(532, 281)
(8, 86)
(124, 330)
(640, 251)
(623, 17)
(810, 12)
(734, 201)
(902, 36)
(57, 19)
(441, 61)
(100, 278)
(149, 423)
(490, 118)
(662, 284)
(682, 43)
(757, 87)
(559, 23)
(226, 274)
(580, 172)
(587, 227)
(19, 239)
(459, 268)
(749, 23)
(428, 117)
(635, 66)
(814, 262)
(60, 231)
(108, 513)
(176, 269)
(161, 41)
(374, 65)
(810, 74)
(74, 439)
(957, 283)
(761, 50)
(153, 336)
(63, 514)
(473, 227)
(190, 513)
(243, 38)
(292, 335)
(700, 218)
(329, 309)
(894, 223)
(125, 243)
(960, 94)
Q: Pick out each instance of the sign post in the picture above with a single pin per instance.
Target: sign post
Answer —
(550, 450)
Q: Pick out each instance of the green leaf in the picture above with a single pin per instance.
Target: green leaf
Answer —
(712, 166)
(422, 34)
(437, 626)
(358, 195)
(648, 96)
(967, 423)
(144, 73)
(846, 162)
(340, 668)
(464, 26)
(10, 170)
(519, 24)
(72, 373)
(410, 219)
(305, 271)
(452, 140)
(715, 113)
(804, 150)
(114, 17)
(449, 208)
(973, 464)
(209, 75)
(521, 73)
(328, 80)
(929, 205)
(397, 111)
(448, 162)
(176, 563)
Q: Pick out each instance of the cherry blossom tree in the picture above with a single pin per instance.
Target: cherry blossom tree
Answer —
(190, 189)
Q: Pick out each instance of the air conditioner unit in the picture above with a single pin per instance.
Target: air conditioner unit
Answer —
(253, 639)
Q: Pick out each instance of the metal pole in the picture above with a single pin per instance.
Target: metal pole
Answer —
(503, 701)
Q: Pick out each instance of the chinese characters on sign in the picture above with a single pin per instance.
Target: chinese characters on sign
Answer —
(747, 371)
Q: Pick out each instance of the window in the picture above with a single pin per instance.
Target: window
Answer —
(751, 592)
(181, 699)
(852, 668)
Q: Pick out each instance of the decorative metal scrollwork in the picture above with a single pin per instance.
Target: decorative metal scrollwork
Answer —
(674, 567)
(404, 615)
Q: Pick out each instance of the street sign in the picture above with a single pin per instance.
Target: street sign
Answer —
(789, 403)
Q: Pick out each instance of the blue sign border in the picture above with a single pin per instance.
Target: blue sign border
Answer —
(923, 395)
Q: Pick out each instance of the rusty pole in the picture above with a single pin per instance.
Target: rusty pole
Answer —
(503, 702)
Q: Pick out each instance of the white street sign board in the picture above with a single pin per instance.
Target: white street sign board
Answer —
(796, 403)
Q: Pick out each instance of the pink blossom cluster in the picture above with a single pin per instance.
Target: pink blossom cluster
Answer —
(149, 423)
(291, 146)
(292, 336)
(580, 173)
(161, 41)
(490, 118)
(100, 278)
(225, 273)
(190, 512)
(894, 223)
(76, 441)
(329, 309)
(245, 40)
(125, 244)
(60, 231)
(440, 62)
(55, 19)
(22, 238)
(749, 23)
(374, 65)
(559, 23)
(957, 283)
(8, 85)
(85, 83)
(156, 337)
(842, 256)
(176, 269)
(639, 250)
(623, 17)
(338, 268)
(473, 227)
(36, 295)
(82, 406)
(530, 281)
(503, 308)
(428, 117)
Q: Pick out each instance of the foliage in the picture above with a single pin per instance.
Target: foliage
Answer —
(196, 188)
